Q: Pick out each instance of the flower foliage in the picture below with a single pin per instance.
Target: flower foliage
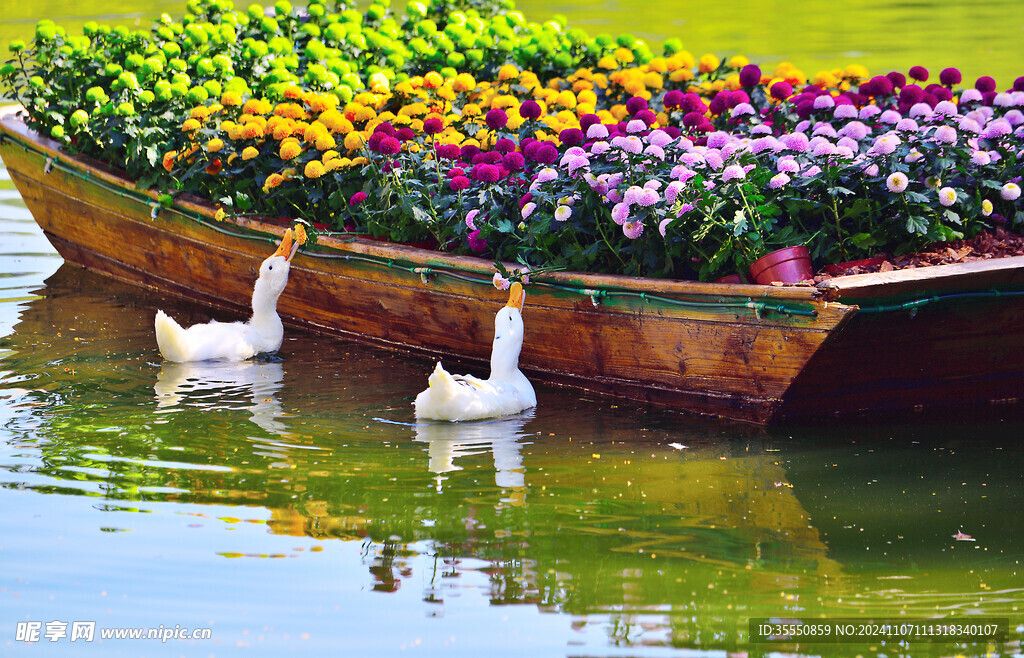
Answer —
(472, 130)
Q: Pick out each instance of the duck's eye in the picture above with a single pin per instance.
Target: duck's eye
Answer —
(270, 267)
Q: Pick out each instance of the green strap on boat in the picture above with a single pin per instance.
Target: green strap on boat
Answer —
(594, 294)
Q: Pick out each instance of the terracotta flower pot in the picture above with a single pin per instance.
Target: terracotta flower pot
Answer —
(788, 265)
(730, 278)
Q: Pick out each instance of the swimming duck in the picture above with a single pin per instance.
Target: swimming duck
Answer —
(505, 391)
(235, 341)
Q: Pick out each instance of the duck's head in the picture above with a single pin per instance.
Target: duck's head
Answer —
(508, 331)
(274, 272)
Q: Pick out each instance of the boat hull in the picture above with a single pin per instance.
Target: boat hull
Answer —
(743, 352)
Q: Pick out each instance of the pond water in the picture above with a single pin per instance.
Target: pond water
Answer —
(293, 505)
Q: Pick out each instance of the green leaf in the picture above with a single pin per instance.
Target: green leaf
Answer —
(504, 226)
(953, 217)
(863, 240)
(917, 224)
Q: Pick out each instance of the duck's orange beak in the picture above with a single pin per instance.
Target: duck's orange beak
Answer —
(516, 296)
(288, 246)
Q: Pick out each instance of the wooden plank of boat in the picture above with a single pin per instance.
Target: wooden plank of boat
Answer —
(752, 353)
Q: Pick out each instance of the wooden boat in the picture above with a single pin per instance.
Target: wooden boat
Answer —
(946, 337)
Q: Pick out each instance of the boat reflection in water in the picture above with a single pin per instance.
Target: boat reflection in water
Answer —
(224, 385)
(447, 442)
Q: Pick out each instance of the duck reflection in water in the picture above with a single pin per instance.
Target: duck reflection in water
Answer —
(251, 385)
(447, 442)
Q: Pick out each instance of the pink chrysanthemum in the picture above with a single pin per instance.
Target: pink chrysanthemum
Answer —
(659, 138)
(648, 197)
(563, 213)
(778, 180)
(470, 216)
(733, 172)
(633, 230)
(1010, 192)
(620, 213)
(597, 131)
(945, 135)
(528, 209)
(787, 165)
(947, 196)
(897, 182)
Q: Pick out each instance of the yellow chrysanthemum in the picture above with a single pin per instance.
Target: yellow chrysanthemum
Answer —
(292, 92)
(464, 82)
(290, 149)
(708, 63)
(325, 143)
(433, 80)
(825, 80)
(508, 72)
(681, 75)
(250, 152)
(360, 161)
(257, 106)
(252, 131)
(405, 88)
(856, 72)
(379, 83)
(200, 113)
(732, 82)
(231, 99)
(471, 110)
(365, 114)
(220, 215)
(608, 62)
(234, 131)
(566, 99)
(168, 160)
(446, 92)
(586, 96)
(214, 145)
(619, 111)
(273, 180)
(190, 124)
(624, 55)
(658, 65)
(329, 155)
(321, 103)
(353, 141)
(314, 169)
(738, 62)
(654, 80)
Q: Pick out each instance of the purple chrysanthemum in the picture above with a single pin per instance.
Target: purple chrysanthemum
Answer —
(496, 119)
(950, 77)
(919, 73)
(486, 173)
(985, 84)
(635, 104)
(547, 153)
(896, 78)
(448, 152)
(571, 137)
(433, 125)
(530, 110)
(513, 161)
(458, 183)
(750, 75)
(672, 99)
(504, 145)
(357, 198)
(475, 242)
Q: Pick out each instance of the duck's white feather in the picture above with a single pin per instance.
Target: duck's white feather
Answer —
(231, 341)
(234, 341)
(464, 397)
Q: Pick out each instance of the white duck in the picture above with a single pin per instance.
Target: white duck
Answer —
(506, 391)
(235, 341)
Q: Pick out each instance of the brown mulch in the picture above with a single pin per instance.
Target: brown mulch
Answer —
(997, 243)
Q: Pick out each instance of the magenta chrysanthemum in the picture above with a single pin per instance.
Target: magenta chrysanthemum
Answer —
(458, 183)
(529, 110)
